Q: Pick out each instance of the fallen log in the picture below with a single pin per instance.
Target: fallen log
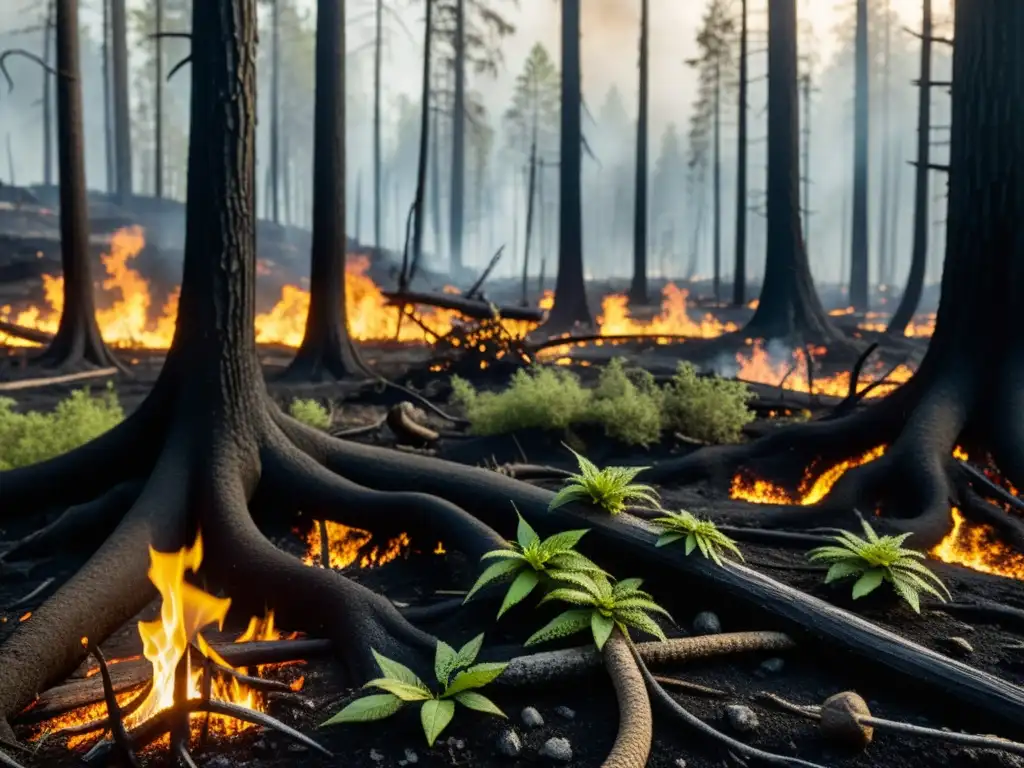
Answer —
(474, 308)
(67, 378)
(28, 334)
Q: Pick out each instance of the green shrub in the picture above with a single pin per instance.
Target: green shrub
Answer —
(310, 412)
(28, 438)
(544, 398)
(706, 407)
(612, 488)
(627, 404)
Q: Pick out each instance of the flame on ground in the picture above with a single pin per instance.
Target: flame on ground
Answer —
(921, 327)
(757, 366)
(814, 486)
(977, 547)
(348, 545)
(673, 320)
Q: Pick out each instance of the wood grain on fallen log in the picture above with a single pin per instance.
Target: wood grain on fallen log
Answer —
(11, 386)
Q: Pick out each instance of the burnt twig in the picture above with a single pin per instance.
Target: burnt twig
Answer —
(31, 595)
(178, 66)
(991, 486)
(28, 55)
(179, 749)
(485, 274)
(116, 721)
(104, 723)
(256, 683)
(851, 399)
(367, 429)
(325, 544)
(686, 685)
(8, 761)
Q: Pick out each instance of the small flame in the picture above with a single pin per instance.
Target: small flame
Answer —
(814, 486)
(346, 546)
(976, 547)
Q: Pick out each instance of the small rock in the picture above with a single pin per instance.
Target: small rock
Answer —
(991, 758)
(707, 623)
(565, 712)
(298, 748)
(509, 744)
(532, 718)
(411, 757)
(219, 762)
(742, 718)
(680, 762)
(960, 646)
(772, 666)
(376, 756)
(456, 743)
(557, 749)
(260, 744)
(839, 720)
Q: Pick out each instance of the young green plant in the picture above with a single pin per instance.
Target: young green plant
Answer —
(602, 607)
(458, 677)
(876, 559)
(529, 559)
(611, 488)
(699, 534)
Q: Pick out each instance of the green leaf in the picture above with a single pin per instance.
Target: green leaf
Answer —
(563, 625)
(479, 702)
(445, 659)
(574, 561)
(525, 535)
(404, 691)
(475, 677)
(494, 572)
(668, 538)
(641, 621)
(562, 542)
(581, 580)
(435, 716)
(366, 709)
(907, 591)
(602, 627)
(509, 554)
(868, 583)
(396, 671)
(626, 586)
(691, 543)
(521, 587)
(843, 569)
(571, 596)
(469, 652)
(566, 495)
(641, 604)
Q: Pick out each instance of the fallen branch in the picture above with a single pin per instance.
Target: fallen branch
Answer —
(986, 609)
(114, 719)
(31, 595)
(850, 401)
(896, 726)
(690, 687)
(977, 476)
(401, 422)
(25, 333)
(10, 386)
(474, 308)
(473, 289)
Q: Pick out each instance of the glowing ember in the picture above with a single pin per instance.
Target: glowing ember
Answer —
(673, 320)
(759, 367)
(921, 327)
(814, 486)
(976, 547)
(348, 546)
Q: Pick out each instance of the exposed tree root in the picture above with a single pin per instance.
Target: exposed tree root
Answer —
(661, 697)
(952, 737)
(986, 610)
(633, 740)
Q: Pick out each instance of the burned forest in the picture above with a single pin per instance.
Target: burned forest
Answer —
(374, 391)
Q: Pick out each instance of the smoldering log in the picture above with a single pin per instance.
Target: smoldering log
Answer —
(474, 308)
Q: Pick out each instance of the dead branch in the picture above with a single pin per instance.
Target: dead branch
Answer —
(932, 39)
(406, 429)
(31, 595)
(28, 55)
(944, 168)
(977, 476)
(985, 609)
(367, 429)
(180, 65)
(686, 685)
(28, 334)
(11, 386)
(114, 719)
(851, 399)
(474, 308)
(632, 744)
(471, 293)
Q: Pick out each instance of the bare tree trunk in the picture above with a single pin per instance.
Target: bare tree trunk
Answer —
(718, 182)
(108, 120)
(739, 287)
(122, 108)
(435, 185)
(158, 102)
(638, 290)
(377, 82)
(275, 114)
(456, 204)
(419, 218)
(919, 250)
(530, 187)
(48, 33)
(896, 184)
(885, 213)
(859, 295)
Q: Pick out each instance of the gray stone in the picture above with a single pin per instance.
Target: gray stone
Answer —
(298, 748)
(411, 757)
(557, 749)
(959, 646)
(532, 718)
(509, 744)
(376, 756)
(220, 762)
(707, 623)
(456, 743)
(742, 718)
(680, 762)
(772, 666)
(568, 714)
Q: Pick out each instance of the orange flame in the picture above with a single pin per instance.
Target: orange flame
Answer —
(976, 547)
(921, 327)
(346, 546)
(814, 486)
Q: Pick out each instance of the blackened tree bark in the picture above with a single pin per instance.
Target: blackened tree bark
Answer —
(327, 349)
(456, 204)
(158, 100)
(570, 307)
(48, 34)
(789, 306)
(859, 297)
(919, 254)
(739, 286)
(420, 214)
(275, 114)
(78, 338)
(122, 107)
(378, 59)
(638, 289)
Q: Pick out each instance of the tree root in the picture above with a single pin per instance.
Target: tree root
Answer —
(686, 685)
(661, 696)
(31, 595)
(633, 740)
(987, 610)
(896, 726)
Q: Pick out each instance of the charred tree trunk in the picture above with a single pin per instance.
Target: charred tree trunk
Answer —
(158, 101)
(739, 287)
(531, 186)
(570, 307)
(886, 214)
(108, 122)
(48, 34)
(275, 115)
(435, 184)
(456, 203)
(419, 216)
(122, 104)
(327, 350)
(638, 290)
(378, 59)
(859, 297)
(788, 306)
(919, 250)
(717, 181)
(78, 337)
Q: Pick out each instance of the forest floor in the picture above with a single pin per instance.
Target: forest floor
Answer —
(806, 675)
